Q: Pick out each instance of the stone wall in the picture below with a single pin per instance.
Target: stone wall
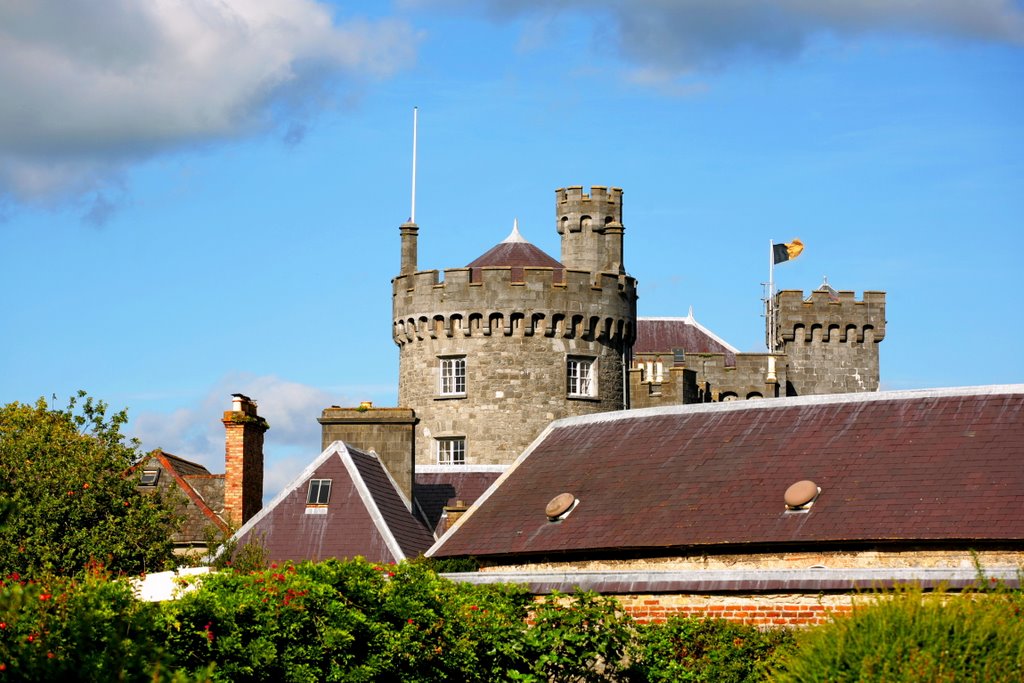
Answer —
(831, 344)
(516, 337)
(390, 432)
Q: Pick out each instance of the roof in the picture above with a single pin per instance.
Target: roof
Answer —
(437, 486)
(900, 467)
(203, 493)
(516, 252)
(366, 515)
(663, 335)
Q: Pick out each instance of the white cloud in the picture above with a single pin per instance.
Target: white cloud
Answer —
(196, 433)
(664, 37)
(90, 87)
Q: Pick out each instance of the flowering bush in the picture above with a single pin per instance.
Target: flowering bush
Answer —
(92, 629)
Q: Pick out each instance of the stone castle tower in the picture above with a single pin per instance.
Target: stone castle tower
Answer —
(829, 340)
(489, 354)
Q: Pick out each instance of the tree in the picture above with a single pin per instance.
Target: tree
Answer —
(67, 498)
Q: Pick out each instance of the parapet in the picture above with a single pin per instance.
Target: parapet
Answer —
(507, 300)
(824, 316)
(602, 206)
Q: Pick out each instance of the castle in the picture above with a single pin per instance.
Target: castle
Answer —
(491, 353)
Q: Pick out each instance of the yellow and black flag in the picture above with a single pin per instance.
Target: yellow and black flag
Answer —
(784, 252)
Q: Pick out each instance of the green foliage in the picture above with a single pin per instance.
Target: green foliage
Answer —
(584, 637)
(85, 629)
(692, 649)
(910, 635)
(68, 503)
(347, 621)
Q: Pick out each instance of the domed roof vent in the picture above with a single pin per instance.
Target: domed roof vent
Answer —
(559, 507)
(516, 253)
(801, 495)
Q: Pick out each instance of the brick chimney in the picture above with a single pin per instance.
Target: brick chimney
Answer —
(243, 460)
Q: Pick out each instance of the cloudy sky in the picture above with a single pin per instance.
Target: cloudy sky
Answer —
(200, 197)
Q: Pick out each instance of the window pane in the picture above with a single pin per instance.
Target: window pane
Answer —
(319, 492)
(451, 451)
(580, 377)
(453, 376)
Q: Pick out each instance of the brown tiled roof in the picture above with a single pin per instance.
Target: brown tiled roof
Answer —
(902, 467)
(663, 335)
(365, 516)
(440, 485)
(516, 252)
(408, 531)
(201, 493)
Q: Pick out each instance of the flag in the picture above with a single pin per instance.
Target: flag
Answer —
(784, 252)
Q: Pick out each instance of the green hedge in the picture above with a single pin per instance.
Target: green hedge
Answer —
(357, 621)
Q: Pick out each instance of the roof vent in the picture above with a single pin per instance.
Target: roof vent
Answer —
(801, 495)
(560, 506)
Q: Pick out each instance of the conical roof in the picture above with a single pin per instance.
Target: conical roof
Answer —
(517, 252)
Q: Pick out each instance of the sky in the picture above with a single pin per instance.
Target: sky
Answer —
(202, 197)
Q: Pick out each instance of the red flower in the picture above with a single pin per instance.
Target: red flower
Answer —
(473, 607)
(50, 655)
(410, 621)
(3, 624)
(3, 667)
(31, 638)
(85, 485)
(44, 596)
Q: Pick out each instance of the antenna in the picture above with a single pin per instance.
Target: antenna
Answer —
(412, 214)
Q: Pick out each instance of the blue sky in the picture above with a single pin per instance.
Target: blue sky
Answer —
(199, 198)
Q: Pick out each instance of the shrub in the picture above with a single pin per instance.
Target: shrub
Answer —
(352, 621)
(93, 629)
(910, 635)
(693, 649)
(583, 637)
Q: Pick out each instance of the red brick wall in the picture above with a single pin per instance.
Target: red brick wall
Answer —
(759, 610)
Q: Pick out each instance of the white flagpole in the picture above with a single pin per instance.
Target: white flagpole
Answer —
(771, 296)
(412, 214)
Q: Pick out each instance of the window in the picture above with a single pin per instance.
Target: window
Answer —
(451, 451)
(453, 376)
(580, 377)
(319, 492)
(149, 477)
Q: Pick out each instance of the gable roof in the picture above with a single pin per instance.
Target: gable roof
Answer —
(204, 493)
(899, 467)
(663, 335)
(367, 515)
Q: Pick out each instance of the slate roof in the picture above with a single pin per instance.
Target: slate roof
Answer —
(901, 467)
(436, 486)
(366, 515)
(516, 252)
(663, 335)
(202, 500)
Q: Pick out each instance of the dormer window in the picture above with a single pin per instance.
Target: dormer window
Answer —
(149, 477)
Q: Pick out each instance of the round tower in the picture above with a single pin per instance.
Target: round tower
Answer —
(491, 353)
(591, 228)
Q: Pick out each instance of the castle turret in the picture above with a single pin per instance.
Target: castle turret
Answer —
(491, 353)
(830, 340)
(591, 228)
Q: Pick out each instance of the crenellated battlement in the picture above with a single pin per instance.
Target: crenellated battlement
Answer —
(591, 228)
(828, 317)
(514, 301)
